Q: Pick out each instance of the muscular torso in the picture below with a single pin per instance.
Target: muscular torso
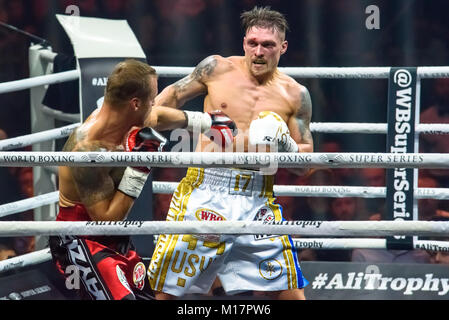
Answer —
(105, 179)
(232, 91)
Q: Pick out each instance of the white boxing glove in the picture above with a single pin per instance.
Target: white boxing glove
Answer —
(270, 129)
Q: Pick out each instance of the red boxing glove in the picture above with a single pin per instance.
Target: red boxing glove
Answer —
(223, 128)
(144, 140)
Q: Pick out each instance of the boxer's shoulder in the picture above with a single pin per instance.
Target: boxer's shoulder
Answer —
(215, 65)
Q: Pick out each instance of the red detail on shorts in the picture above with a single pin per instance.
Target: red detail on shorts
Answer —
(107, 269)
(103, 255)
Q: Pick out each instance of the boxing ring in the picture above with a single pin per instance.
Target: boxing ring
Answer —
(348, 234)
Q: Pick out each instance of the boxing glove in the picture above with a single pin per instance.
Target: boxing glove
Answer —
(214, 124)
(143, 140)
(271, 130)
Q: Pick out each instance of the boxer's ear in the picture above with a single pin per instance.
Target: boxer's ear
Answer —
(135, 103)
(284, 47)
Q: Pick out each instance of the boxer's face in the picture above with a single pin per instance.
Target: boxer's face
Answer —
(263, 48)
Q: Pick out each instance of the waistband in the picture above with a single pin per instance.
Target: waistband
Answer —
(239, 181)
(75, 213)
(65, 202)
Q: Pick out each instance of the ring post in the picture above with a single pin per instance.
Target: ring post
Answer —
(43, 181)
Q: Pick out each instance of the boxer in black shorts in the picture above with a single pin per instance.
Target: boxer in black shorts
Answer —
(108, 267)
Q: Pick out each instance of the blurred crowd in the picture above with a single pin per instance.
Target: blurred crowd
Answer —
(323, 33)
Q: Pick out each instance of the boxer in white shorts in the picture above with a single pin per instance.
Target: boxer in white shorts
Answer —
(184, 264)
(267, 107)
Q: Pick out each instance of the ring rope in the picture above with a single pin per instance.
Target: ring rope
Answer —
(26, 260)
(31, 139)
(298, 228)
(350, 192)
(24, 84)
(364, 243)
(160, 187)
(307, 72)
(44, 255)
(359, 243)
(374, 128)
(227, 159)
(324, 72)
(28, 204)
(366, 128)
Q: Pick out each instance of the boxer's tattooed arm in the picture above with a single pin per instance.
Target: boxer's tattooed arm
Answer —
(94, 184)
(204, 69)
(304, 116)
(176, 95)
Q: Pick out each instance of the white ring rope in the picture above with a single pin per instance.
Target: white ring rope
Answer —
(325, 73)
(26, 260)
(364, 243)
(48, 79)
(374, 128)
(160, 187)
(330, 127)
(31, 139)
(357, 192)
(43, 256)
(358, 243)
(28, 204)
(297, 228)
(227, 159)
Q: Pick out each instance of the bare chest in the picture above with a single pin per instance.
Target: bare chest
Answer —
(242, 100)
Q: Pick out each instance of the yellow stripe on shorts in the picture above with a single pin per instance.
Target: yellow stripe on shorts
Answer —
(192, 181)
(286, 248)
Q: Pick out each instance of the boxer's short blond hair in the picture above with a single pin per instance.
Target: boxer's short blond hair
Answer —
(130, 79)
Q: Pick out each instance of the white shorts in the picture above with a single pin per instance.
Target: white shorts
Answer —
(183, 264)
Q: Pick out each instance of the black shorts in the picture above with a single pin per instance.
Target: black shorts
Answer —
(101, 268)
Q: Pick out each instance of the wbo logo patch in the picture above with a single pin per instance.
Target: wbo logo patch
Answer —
(208, 215)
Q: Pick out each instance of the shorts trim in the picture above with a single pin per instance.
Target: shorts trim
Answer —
(286, 248)
(177, 212)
